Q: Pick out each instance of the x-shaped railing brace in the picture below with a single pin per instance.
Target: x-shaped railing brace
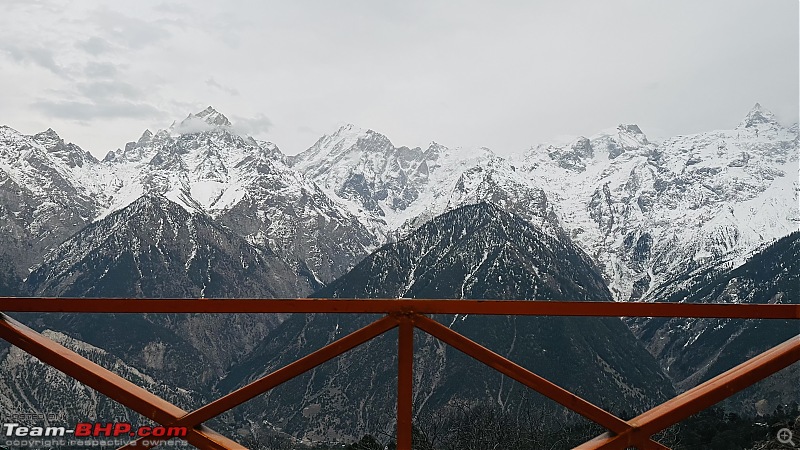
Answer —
(622, 434)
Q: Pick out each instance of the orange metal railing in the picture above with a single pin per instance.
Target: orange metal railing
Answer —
(406, 315)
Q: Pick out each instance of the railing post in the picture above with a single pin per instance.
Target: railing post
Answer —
(405, 375)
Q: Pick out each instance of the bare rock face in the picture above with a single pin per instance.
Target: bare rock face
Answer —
(66, 399)
(648, 211)
(156, 249)
(695, 350)
(48, 191)
(205, 166)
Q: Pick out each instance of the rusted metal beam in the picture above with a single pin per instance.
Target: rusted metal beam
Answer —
(405, 381)
(646, 445)
(280, 376)
(635, 432)
(701, 397)
(106, 382)
(521, 374)
(288, 372)
(389, 306)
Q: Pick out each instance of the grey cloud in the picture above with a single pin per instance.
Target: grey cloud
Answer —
(172, 7)
(129, 31)
(227, 27)
(184, 107)
(193, 124)
(40, 56)
(169, 7)
(94, 45)
(213, 83)
(100, 70)
(37, 5)
(308, 130)
(107, 89)
(83, 110)
(259, 124)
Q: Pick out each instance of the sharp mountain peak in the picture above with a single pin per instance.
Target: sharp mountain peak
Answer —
(756, 116)
(49, 133)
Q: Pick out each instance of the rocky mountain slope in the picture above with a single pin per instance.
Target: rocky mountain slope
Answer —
(695, 350)
(24, 392)
(155, 248)
(204, 165)
(48, 191)
(644, 210)
(476, 251)
(649, 211)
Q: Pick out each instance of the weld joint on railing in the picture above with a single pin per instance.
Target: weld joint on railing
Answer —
(405, 315)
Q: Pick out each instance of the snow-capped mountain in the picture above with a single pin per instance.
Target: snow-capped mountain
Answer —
(51, 189)
(395, 189)
(644, 210)
(648, 211)
(193, 163)
(204, 165)
(48, 191)
(365, 169)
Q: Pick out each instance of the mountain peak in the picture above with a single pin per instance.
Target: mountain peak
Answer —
(757, 115)
(49, 139)
(350, 129)
(49, 133)
(348, 135)
(206, 120)
(630, 128)
(213, 117)
(70, 154)
(146, 137)
(435, 148)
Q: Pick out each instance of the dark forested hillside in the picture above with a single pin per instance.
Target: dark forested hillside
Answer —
(476, 251)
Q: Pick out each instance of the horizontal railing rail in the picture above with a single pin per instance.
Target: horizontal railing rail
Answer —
(407, 315)
(388, 306)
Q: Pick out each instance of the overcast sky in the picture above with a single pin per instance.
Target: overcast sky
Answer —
(500, 74)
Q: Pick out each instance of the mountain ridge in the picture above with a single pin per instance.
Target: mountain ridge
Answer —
(616, 193)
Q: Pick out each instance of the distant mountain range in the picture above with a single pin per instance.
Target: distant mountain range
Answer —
(644, 211)
(197, 210)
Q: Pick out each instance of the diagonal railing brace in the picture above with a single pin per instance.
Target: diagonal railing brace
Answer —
(701, 397)
(106, 382)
